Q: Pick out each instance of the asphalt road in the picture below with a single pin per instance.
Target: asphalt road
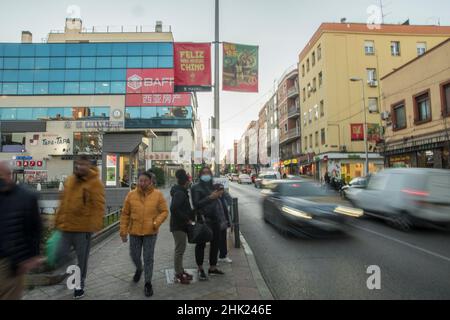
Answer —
(413, 265)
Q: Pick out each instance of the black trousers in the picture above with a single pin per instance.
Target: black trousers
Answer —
(213, 249)
(223, 247)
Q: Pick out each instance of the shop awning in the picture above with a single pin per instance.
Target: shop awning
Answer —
(416, 145)
(121, 142)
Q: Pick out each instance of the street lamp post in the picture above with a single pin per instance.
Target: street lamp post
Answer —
(366, 169)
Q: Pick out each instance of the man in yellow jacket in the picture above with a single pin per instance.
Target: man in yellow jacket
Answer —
(144, 211)
(81, 212)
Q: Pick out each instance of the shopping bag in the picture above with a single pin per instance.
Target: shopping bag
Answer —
(51, 248)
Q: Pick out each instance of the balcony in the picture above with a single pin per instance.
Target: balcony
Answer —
(290, 136)
(293, 92)
(294, 112)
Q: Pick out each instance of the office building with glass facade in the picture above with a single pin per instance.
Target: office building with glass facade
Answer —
(73, 95)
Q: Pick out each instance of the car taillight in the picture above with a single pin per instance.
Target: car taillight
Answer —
(416, 193)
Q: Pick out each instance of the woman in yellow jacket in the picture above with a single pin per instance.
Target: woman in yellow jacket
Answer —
(144, 211)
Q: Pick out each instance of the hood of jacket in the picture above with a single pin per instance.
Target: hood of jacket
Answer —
(177, 188)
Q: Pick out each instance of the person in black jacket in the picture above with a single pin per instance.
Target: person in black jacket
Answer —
(20, 235)
(208, 206)
(181, 215)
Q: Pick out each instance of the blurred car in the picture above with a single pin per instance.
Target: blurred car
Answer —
(305, 208)
(264, 179)
(407, 197)
(358, 183)
(234, 177)
(244, 178)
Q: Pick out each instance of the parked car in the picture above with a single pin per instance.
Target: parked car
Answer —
(303, 208)
(407, 197)
(234, 177)
(358, 183)
(244, 178)
(264, 179)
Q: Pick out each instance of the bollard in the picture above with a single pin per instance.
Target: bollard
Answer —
(237, 239)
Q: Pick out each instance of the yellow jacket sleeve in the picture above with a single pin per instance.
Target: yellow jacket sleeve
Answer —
(97, 205)
(163, 211)
(125, 217)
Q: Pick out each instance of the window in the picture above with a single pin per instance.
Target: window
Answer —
(103, 62)
(422, 108)
(306, 143)
(165, 49)
(26, 63)
(319, 52)
(118, 87)
(320, 79)
(71, 88)
(421, 48)
(25, 88)
(371, 75)
(322, 137)
(88, 49)
(87, 75)
(305, 118)
(304, 94)
(41, 75)
(27, 50)
(88, 62)
(165, 142)
(313, 59)
(373, 105)
(310, 116)
(285, 128)
(132, 113)
(104, 49)
(55, 113)
(310, 141)
(399, 116)
(72, 75)
(395, 48)
(321, 107)
(9, 88)
(303, 70)
(99, 112)
(87, 87)
(25, 114)
(369, 48)
(13, 142)
(119, 74)
(316, 136)
(11, 63)
(165, 62)
(56, 75)
(40, 113)
(40, 88)
(86, 143)
(26, 75)
(150, 62)
(445, 99)
(119, 49)
(119, 62)
(134, 62)
(316, 112)
(73, 63)
(314, 84)
(103, 74)
(309, 90)
(56, 88)
(57, 63)
(307, 65)
(42, 63)
(102, 87)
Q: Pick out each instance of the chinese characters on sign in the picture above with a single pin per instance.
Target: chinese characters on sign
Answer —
(240, 68)
(159, 100)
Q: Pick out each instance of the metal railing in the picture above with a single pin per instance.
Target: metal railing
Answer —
(294, 111)
(120, 29)
(291, 134)
(293, 91)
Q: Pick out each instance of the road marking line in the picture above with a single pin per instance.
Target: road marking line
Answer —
(437, 255)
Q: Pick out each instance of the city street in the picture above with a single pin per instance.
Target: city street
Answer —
(413, 265)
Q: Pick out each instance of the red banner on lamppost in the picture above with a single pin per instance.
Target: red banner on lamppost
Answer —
(192, 62)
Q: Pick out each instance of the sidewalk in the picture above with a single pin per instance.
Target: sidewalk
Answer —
(111, 271)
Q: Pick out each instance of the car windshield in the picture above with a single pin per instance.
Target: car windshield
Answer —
(302, 189)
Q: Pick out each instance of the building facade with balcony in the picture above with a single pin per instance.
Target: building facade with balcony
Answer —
(72, 96)
(332, 113)
(289, 122)
(416, 112)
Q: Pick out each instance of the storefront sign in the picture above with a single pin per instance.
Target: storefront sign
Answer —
(357, 132)
(192, 67)
(240, 68)
(354, 156)
(111, 170)
(164, 156)
(158, 100)
(150, 81)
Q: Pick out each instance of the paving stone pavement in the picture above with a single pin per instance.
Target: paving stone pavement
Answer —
(110, 274)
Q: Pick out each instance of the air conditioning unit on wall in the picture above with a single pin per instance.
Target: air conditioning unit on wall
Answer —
(385, 115)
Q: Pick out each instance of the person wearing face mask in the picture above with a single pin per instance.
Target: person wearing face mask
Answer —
(20, 234)
(143, 213)
(205, 200)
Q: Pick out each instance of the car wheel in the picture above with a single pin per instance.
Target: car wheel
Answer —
(402, 222)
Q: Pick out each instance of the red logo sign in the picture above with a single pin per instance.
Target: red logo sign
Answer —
(18, 163)
(158, 100)
(357, 132)
(25, 163)
(150, 81)
(192, 66)
(39, 163)
(32, 163)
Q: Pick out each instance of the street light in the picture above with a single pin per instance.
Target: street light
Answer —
(366, 169)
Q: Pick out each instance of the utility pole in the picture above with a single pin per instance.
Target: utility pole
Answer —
(216, 124)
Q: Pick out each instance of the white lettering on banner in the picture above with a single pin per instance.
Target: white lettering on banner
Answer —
(156, 82)
(74, 280)
(167, 99)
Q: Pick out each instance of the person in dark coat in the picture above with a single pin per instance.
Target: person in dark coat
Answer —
(181, 216)
(20, 235)
(207, 205)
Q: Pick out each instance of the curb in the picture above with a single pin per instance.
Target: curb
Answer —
(263, 289)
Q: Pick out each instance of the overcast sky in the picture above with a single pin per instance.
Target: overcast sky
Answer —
(281, 28)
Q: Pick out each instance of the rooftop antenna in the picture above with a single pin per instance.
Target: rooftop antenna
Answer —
(382, 8)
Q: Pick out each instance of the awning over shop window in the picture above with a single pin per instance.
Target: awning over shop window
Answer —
(122, 142)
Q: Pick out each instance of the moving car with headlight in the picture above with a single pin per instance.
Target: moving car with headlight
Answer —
(407, 197)
(304, 208)
(244, 178)
(265, 179)
(358, 183)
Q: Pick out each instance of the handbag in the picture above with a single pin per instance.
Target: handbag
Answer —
(51, 248)
(199, 233)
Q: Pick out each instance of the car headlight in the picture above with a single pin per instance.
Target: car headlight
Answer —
(296, 213)
(352, 212)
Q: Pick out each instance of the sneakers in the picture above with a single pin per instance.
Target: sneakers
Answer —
(182, 279)
(188, 276)
(78, 294)
(225, 260)
(216, 271)
(148, 290)
(137, 276)
(202, 275)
